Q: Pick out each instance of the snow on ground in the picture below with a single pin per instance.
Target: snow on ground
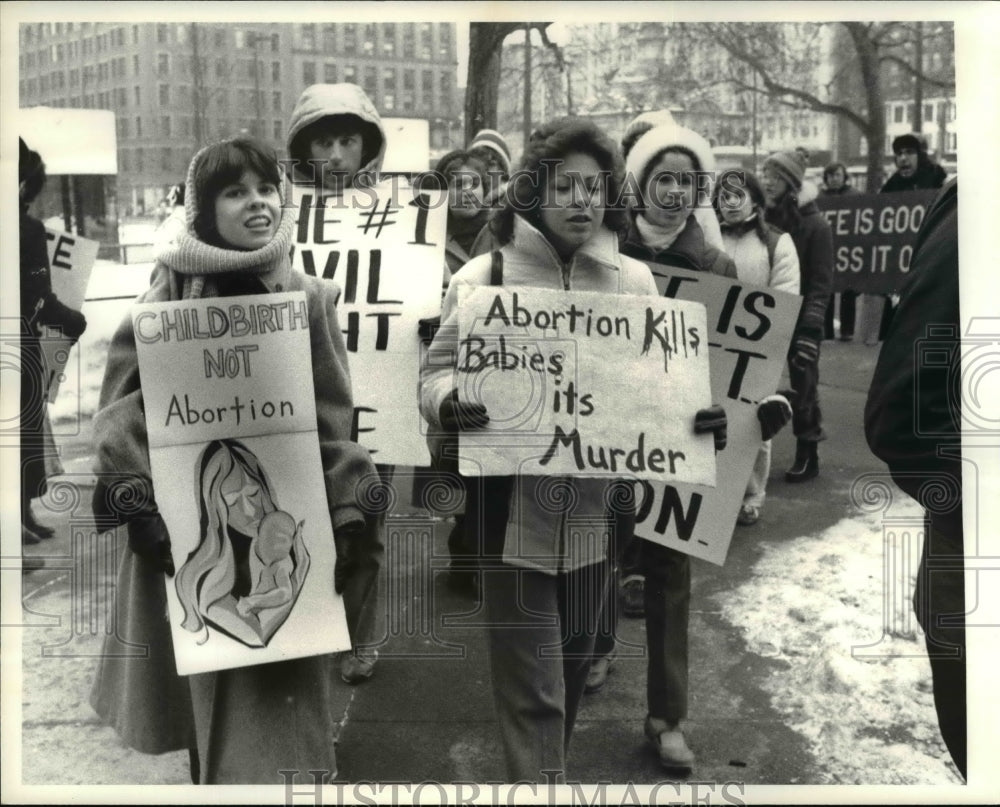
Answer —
(855, 681)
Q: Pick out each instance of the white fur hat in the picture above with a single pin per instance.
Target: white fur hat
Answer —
(663, 137)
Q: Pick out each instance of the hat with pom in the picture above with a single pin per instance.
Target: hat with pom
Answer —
(492, 139)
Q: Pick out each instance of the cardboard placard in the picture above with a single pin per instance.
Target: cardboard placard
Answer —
(873, 237)
(384, 247)
(749, 329)
(238, 480)
(71, 258)
(583, 383)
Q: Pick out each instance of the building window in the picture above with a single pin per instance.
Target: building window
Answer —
(389, 79)
(330, 38)
(135, 34)
(161, 34)
(138, 127)
(308, 73)
(408, 101)
(162, 64)
(138, 100)
(330, 73)
(135, 65)
(123, 160)
(368, 47)
(444, 34)
(371, 82)
(165, 161)
(897, 115)
(952, 141)
(350, 38)
(929, 113)
(276, 101)
(389, 40)
(350, 74)
(309, 36)
(909, 113)
(409, 80)
(164, 94)
(165, 126)
(426, 40)
(275, 71)
(220, 38)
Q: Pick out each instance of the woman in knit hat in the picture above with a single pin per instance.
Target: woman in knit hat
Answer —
(791, 206)
(241, 726)
(489, 146)
(671, 167)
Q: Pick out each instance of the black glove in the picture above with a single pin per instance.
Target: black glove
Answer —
(712, 419)
(456, 415)
(790, 395)
(56, 314)
(805, 350)
(773, 413)
(346, 539)
(426, 328)
(148, 538)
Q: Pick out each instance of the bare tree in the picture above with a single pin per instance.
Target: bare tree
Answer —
(204, 90)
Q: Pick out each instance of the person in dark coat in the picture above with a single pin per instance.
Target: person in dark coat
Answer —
(39, 307)
(837, 182)
(914, 171)
(791, 207)
(913, 423)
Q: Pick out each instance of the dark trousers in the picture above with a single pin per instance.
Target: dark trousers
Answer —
(848, 300)
(939, 602)
(807, 420)
(667, 592)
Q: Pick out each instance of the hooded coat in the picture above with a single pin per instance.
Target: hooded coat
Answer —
(247, 723)
(928, 176)
(324, 100)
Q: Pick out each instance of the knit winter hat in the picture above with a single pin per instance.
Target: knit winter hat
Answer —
(641, 124)
(789, 165)
(908, 141)
(492, 139)
(659, 138)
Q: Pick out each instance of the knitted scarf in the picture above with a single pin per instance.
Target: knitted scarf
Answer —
(656, 237)
(201, 263)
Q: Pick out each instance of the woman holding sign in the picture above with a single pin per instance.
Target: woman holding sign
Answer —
(543, 590)
(242, 725)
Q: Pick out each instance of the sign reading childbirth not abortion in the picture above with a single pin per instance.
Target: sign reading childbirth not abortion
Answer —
(384, 247)
(583, 383)
(231, 416)
(71, 259)
(749, 329)
(873, 237)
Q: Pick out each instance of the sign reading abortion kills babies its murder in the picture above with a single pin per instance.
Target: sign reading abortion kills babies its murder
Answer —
(71, 259)
(384, 247)
(583, 383)
(749, 329)
(231, 415)
(873, 237)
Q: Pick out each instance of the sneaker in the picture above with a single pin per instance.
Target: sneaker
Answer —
(670, 745)
(633, 594)
(749, 515)
(355, 668)
(598, 675)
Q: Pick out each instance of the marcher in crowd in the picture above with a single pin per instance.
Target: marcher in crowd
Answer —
(837, 182)
(913, 422)
(490, 147)
(541, 590)
(791, 207)
(174, 224)
(663, 164)
(915, 170)
(40, 307)
(244, 725)
(764, 256)
(337, 142)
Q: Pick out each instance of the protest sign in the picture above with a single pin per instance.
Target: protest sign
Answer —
(71, 259)
(583, 383)
(384, 247)
(238, 479)
(749, 329)
(873, 237)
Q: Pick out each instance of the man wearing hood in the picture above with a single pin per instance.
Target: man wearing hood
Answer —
(336, 142)
(335, 137)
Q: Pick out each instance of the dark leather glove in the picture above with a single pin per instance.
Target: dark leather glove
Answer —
(805, 350)
(148, 538)
(773, 413)
(790, 395)
(426, 328)
(712, 419)
(456, 415)
(346, 539)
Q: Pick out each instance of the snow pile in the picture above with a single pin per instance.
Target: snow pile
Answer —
(855, 682)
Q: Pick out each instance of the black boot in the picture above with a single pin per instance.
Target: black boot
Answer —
(806, 464)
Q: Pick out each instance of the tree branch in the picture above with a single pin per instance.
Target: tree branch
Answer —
(949, 85)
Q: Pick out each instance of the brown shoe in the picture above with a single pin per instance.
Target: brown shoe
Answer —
(670, 745)
(598, 675)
